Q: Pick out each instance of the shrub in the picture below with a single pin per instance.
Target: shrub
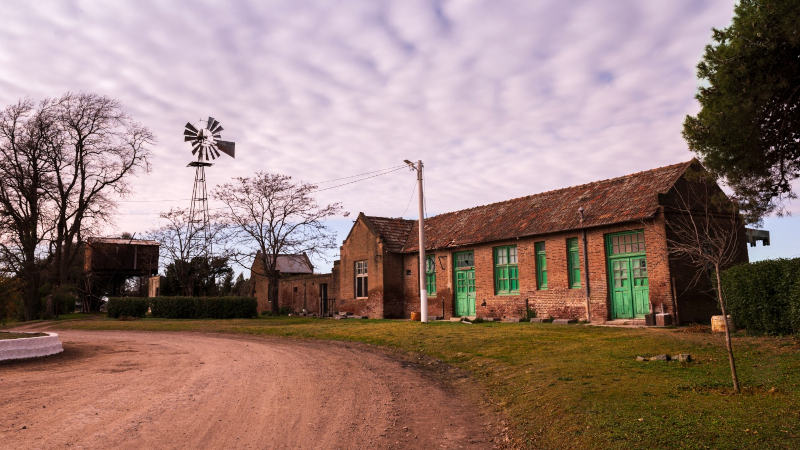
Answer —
(127, 307)
(65, 299)
(764, 297)
(203, 307)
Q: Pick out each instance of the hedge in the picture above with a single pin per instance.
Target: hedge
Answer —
(127, 306)
(203, 307)
(764, 297)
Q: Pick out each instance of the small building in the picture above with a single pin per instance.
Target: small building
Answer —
(310, 294)
(597, 252)
(109, 262)
(297, 279)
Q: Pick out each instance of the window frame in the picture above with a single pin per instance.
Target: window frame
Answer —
(502, 257)
(361, 277)
(540, 251)
(430, 275)
(626, 243)
(573, 263)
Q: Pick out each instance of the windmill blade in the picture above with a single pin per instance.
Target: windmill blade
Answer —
(189, 134)
(190, 127)
(214, 152)
(212, 124)
(196, 148)
(189, 138)
(227, 147)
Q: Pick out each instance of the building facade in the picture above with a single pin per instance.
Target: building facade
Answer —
(598, 252)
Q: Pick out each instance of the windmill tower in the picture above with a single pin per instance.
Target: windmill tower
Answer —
(206, 145)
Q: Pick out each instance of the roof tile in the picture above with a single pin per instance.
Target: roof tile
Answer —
(623, 199)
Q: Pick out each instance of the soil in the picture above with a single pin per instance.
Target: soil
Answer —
(178, 390)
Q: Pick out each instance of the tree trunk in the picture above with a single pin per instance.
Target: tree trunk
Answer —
(272, 293)
(727, 332)
(33, 305)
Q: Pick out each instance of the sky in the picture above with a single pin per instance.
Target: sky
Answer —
(500, 99)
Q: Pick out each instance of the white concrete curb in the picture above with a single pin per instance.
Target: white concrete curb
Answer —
(31, 347)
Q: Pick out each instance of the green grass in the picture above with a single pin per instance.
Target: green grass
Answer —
(8, 335)
(580, 386)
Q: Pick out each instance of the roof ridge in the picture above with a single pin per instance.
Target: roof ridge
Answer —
(670, 166)
(390, 218)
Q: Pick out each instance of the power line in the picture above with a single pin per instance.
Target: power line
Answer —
(359, 180)
(376, 173)
(413, 188)
(156, 201)
(357, 175)
(387, 170)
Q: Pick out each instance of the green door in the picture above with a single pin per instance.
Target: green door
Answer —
(641, 289)
(465, 284)
(627, 272)
(621, 293)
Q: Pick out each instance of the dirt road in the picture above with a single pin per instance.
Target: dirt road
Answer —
(180, 390)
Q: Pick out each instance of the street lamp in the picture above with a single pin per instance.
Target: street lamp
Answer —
(423, 293)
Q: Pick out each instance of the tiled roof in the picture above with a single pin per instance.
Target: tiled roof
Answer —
(617, 200)
(392, 231)
(294, 264)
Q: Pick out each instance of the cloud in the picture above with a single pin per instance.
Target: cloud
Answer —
(499, 98)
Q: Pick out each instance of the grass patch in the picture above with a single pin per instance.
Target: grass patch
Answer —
(579, 386)
(8, 335)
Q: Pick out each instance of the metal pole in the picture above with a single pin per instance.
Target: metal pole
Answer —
(423, 293)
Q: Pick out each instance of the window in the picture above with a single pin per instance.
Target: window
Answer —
(430, 274)
(623, 243)
(361, 279)
(506, 274)
(465, 260)
(541, 266)
(573, 263)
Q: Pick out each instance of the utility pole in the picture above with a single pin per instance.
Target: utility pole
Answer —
(423, 293)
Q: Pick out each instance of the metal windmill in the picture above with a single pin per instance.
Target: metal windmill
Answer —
(206, 145)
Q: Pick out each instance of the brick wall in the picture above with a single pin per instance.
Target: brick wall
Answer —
(558, 300)
(440, 304)
(393, 285)
(301, 292)
(698, 196)
(361, 244)
(696, 300)
(261, 291)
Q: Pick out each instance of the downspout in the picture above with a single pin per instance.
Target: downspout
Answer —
(586, 289)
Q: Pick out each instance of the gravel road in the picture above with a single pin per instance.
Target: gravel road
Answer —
(190, 390)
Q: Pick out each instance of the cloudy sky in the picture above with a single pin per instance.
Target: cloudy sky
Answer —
(499, 98)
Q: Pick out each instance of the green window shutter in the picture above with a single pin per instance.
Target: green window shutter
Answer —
(541, 265)
(573, 263)
(430, 274)
(506, 275)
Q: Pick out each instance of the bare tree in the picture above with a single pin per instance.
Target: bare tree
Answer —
(100, 147)
(270, 216)
(27, 135)
(179, 245)
(705, 229)
(60, 161)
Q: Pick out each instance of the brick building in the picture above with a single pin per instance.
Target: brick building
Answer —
(287, 266)
(598, 251)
